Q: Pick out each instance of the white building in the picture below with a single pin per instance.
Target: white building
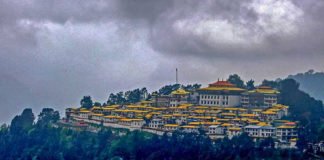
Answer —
(285, 133)
(156, 123)
(217, 130)
(221, 93)
(178, 97)
(262, 97)
(260, 131)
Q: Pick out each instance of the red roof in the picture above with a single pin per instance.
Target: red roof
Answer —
(290, 123)
(222, 84)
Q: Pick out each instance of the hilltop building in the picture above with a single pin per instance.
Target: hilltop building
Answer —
(262, 97)
(220, 93)
(178, 97)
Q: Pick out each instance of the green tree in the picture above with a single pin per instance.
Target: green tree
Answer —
(236, 79)
(250, 85)
(86, 102)
(272, 84)
(23, 121)
(97, 104)
(48, 116)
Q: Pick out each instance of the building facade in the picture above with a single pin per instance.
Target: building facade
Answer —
(220, 93)
(262, 97)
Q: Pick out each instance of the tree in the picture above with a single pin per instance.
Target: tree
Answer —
(47, 116)
(97, 104)
(236, 79)
(86, 102)
(272, 84)
(23, 121)
(250, 85)
(303, 108)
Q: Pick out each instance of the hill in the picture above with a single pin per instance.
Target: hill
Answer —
(311, 82)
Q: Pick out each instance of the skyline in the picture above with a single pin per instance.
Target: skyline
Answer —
(55, 52)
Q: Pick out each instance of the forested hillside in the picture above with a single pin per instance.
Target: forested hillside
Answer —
(26, 138)
(311, 82)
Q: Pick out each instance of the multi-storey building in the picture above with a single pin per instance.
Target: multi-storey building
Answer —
(262, 97)
(257, 131)
(286, 133)
(178, 97)
(220, 93)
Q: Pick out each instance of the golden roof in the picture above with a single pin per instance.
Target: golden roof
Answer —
(221, 89)
(234, 129)
(286, 127)
(171, 125)
(84, 111)
(226, 125)
(262, 124)
(189, 126)
(94, 114)
(265, 90)
(228, 114)
(180, 91)
(247, 115)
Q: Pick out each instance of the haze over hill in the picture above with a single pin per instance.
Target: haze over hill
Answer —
(311, 82)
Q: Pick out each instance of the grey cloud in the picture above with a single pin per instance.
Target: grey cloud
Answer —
(52, 52)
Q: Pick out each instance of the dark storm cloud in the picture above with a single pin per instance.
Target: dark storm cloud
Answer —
(55, 51)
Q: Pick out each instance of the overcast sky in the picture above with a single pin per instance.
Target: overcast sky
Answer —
(52, 52)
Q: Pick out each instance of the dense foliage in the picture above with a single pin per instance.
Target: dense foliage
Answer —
(167, 89)
(311, 82)
(41, 140)
(132, 96)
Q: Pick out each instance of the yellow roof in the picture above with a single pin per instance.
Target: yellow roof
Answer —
(234, 129)
(84, 111)
(262, 124)
(280, 106)
(113, 117)
(171, 125)
(286, 127)
(231, 109)
(226, 124)
(252, 121)
(146, 102)
(228, 114)
(95, 107)
(265, 91)
(203, 123)
(293, 140)
(97, 114)
(107, 108)
(179, 91)
(268, 112)
(200, 117)
(125, 120)
(247, 115)
(201, 107)
(221, 89)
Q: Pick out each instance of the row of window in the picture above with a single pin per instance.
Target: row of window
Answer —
(213, 97)
(214, 102)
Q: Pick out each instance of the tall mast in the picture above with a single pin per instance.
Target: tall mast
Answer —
(176, 75)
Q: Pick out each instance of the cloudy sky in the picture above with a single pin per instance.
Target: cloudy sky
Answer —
(52, 52)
